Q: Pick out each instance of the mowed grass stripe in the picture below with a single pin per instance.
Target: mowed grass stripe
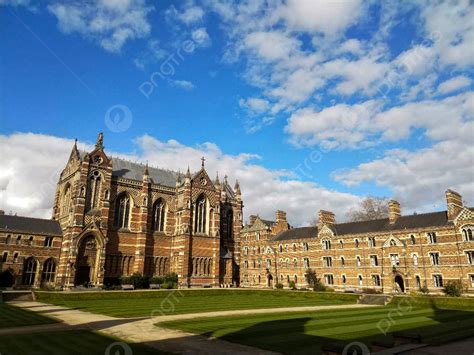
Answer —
(12, 316)
(185, 301)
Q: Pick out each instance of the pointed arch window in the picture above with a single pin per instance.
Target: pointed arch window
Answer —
(66, 202)
(200, 215)
(122, 211)
(93, 192)
(29, 271)
(230, 219)
(159, 215)
(49, 271)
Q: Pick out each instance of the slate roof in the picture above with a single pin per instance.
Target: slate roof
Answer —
(134, 171)
(424, 220)
(29, 225)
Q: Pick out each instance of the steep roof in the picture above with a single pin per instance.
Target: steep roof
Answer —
(424, 220)
(29, 225)
(134, 171)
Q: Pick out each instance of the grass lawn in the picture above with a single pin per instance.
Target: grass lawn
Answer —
(307, 332)
(65, 342)
(135, 304)
(11, 316)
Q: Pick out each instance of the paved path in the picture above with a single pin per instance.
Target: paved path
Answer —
(143, 330)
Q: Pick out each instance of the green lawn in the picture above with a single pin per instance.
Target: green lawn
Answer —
(11, 316)
(307, 332)
(66, 342)
(135, 304)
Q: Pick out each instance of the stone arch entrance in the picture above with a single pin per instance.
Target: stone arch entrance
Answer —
(399, 283)
(270, 280)
(87, 261)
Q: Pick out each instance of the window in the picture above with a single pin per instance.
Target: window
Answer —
(18, 240)
(200, 215)
(294, 247)
(376, 280)
(356, 242)
(418, 281)
(327, 261)
(438, 280)
(257, 236)
(371, 242)
(470, 257)
(341, 244)
(93, 191)
(295, 262)
(326, 244)
(246, 264)
(246, 251)
(415, 260)
(343, 261)
(9, 239)
(122, 211)
(5, 257)
(434, 257)
(306, 263)
(48, 242)
(49, 271)
(412, 239)
(395, 259)
(281, 262)
(373, 260)
(343, 277)
(329, 279)
(467, 233)
(15, 258)
(159, 216)
(286, 262)
(269, 263)
(432, 238)
(30, 240)
(280, 248)
(360, 280)
(305, 247)
(29, 271)
(472, 280)
(358, 260)
(393, 243)
(286, 248)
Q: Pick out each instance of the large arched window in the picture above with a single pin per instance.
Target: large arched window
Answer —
(159, 216)
(8, 240)
(230, 220)
(29, 271)
(66, 200)
(49, 271)
(200, 216)
(93, 192)
(122, 211)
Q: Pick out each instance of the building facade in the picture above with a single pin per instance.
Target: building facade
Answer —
(113, 218)
(396, 254)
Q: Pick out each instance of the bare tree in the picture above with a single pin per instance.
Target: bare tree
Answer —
(370, 208)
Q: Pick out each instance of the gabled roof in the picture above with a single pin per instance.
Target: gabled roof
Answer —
(134, 171)
(424, 220)
(259, 224)
(29, 225)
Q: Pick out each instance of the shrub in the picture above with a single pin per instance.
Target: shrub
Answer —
(137, 280)
(279, 286)
(292, 285)
(169, 285)
(157, 280)
(453, 288)
(314, 281)
(171, 278)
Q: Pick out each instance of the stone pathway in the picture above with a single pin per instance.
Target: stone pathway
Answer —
(143, 330)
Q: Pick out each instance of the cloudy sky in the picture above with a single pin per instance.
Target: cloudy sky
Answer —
(310, 104)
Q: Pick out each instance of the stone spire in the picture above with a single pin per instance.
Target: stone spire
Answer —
(99, 144)
(217, 183)
(237, 187)
(75, 151)
(187, 177)
(202, 162)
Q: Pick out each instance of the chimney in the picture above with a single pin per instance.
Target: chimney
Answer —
(326, 218)
(393, 211)
(280, 216)
(252, 219)
(454, 202)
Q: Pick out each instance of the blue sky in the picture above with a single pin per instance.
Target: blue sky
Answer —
(326, 101)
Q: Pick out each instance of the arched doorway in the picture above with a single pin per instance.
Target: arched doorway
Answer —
(399, 283)
(7, 278)
(270, 281)
(29, 271)
(86, 261)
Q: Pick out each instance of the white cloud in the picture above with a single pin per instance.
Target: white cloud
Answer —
(271, 45)
(31, 164)
(255, 105)
(201, 37)
(327, 17)
(111, 23)
(191, 15)
(183, 84)
(454, 84)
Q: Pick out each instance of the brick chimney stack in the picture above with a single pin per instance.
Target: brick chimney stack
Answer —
(454, 202)
(281, 216)
(326, 218)
(394, 211)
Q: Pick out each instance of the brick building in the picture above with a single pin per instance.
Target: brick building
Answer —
(113, 218)
(395, 254)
